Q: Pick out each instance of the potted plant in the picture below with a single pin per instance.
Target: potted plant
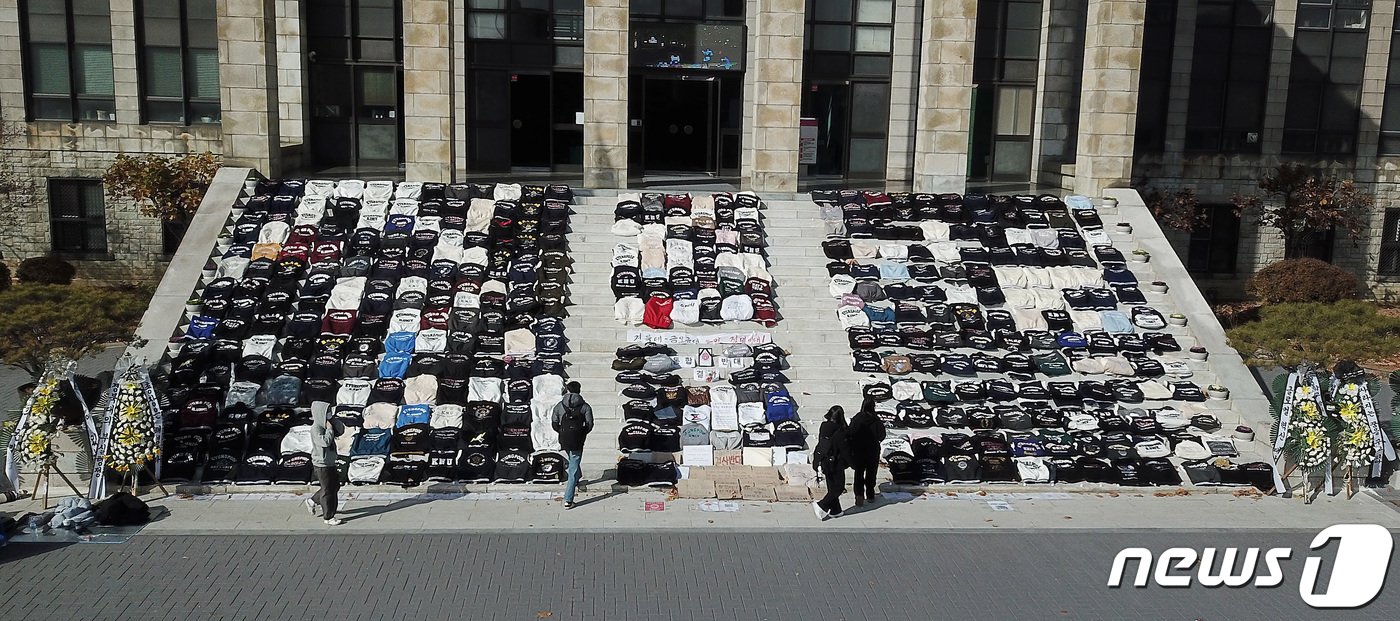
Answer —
(173, 347)
(1109, 201)
(1124, 228)
(210, 269)
(237, 211)
(1176, 319)
(1197, 353)
(1216, 391)
(1139, 256)
(193, 305)
(1157, 286)
(1244, 432)
(224, 241)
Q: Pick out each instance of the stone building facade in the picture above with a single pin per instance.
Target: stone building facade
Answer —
(778, 96)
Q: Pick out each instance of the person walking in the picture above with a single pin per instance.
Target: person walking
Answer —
(573, 419)
(831, 457)
(324, 431)
(865, 433)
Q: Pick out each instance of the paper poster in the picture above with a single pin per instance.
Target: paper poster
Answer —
(681, 338)
(780, 455)
(685, 362)
(654, 505)
(706, 375)
(724, 418)
(702, 455)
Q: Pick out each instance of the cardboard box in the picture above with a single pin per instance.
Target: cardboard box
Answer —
(729, 458)
(788, 493)
(758, 491)
(692, 488)
(728, 490)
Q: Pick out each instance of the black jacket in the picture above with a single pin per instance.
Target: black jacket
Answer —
(864, 434)
(833, 450)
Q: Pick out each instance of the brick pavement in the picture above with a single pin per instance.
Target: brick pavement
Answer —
(678, 575)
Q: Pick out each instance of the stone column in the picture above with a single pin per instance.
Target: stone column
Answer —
(944, 119)
(904, 95)
(291, 84)
(1057, 89)
(459, 90)
(1108, 95)
(248, 84)
(124, 76)
(1280, 70)
(11, 72)
(605, 44)
(1368, 133)
(777, 79)
(1179, 93)
(427, 90)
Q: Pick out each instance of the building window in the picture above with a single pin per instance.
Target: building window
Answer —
(179, 61)
(1324, 86)
(542, 33)
(77, 217)
(1390, 245)
(1215, 242)
(1390, 118)
(68, 60)
(1154, 84)
(1229, 75)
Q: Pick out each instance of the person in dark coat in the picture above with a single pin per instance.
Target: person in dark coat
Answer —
(831, 458)
(572, 419)
(865, 434)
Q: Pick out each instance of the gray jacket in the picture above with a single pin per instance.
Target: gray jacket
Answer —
(323, 433)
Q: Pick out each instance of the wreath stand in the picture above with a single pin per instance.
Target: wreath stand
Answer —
(46, 475)
(133, 486)
(131, 370)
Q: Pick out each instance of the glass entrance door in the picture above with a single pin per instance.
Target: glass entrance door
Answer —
(852, 125)
(359, 125)
(679, 125)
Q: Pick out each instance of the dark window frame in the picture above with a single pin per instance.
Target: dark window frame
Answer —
(1218, 135)
(1312, 137)
(75, 99)
(190, 106)
(1154, 83)
(1214, 247)
(1388, 263)
(857, 62)
(562, 35)
(84, 221)
(1390, 118)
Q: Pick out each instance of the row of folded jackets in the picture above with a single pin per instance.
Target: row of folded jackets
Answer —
(1054, 456)
(418, 190)
(695, 260)
(438, 443)
(1021, 211)
(753, 409)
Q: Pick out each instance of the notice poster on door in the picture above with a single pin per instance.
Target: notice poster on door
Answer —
(807, 142)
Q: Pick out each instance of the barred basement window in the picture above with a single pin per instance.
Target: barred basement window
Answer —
(1390, 245)
(179, 61)
(68, 60)
(77, 217)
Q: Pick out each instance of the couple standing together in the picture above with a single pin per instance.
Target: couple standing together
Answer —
(842, 445)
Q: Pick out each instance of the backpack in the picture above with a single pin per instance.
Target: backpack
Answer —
(122, 509)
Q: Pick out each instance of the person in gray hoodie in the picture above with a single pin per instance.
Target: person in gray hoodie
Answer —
(323, 458)
(573, 419)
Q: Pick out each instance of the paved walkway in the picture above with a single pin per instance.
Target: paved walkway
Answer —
(677, 575)
(601, 510)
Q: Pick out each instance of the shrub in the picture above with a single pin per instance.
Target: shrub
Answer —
(1302, 280)
(48, 270)
(1289, 333)
(5, 280)
(37, 321)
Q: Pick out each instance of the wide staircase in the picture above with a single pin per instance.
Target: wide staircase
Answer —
(820, 358)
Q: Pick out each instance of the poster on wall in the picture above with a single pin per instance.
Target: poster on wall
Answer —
(807, 141)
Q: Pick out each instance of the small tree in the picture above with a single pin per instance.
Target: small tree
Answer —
(167, 188)
(1180, 210)
(38, 321)
(1301, 202)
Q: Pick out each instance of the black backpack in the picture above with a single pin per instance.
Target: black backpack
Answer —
(122, 509)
